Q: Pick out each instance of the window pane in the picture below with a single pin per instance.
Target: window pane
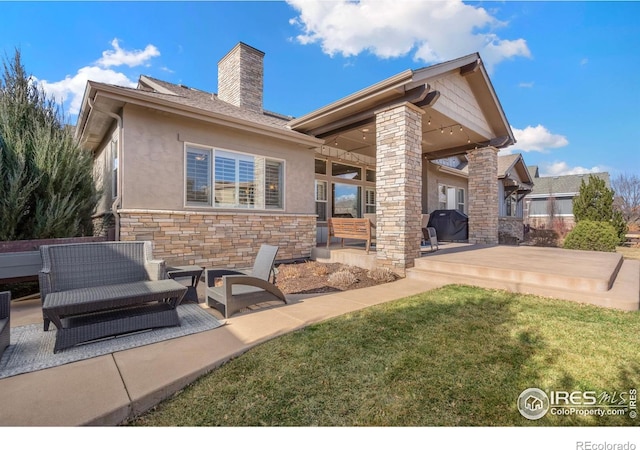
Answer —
(538, 206)
(461, 200)
(225, 181)
(321, 166)
(370, 201)
(321, 191)
(273, 185)
(371, 175)
(321, 211)
(346, 200)
(198, 176)
(246, 184)
(345, 171)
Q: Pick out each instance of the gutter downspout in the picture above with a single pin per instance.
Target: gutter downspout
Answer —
(117, 200)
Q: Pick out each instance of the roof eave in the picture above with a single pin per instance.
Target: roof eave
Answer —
(132, 97)
(378, 89)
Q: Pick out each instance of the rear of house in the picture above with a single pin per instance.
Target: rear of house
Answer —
(209, 177)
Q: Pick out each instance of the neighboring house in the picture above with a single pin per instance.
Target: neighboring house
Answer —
(208, 177)
(447, 188)
(551, 201)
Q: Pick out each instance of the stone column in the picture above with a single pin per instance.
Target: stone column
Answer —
(483, 196)
(398, 186)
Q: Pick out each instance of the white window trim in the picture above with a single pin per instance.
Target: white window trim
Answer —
(211, 205)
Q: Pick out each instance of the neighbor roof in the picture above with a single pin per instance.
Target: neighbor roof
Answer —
(564, 184)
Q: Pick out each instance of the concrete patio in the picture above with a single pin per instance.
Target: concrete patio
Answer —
(110, 389)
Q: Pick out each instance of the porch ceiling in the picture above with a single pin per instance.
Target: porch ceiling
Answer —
(441, 136)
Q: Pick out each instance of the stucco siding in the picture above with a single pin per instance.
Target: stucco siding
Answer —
(153, 160)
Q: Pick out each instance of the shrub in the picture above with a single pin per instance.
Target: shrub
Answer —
(287, 271)
(595, 202)
(382, 274)
(342, 278)
(592, 235)
(318, 269)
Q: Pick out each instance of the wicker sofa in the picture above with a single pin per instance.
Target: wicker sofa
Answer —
(100, 289)
(5, 320)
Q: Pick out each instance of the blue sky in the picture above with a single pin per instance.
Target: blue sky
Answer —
(566, 73)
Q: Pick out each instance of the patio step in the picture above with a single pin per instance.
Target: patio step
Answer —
(618, 287)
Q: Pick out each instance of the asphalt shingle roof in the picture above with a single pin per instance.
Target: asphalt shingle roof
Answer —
(209, 101)
(563, 184)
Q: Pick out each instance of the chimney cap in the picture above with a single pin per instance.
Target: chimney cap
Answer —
(241, 44)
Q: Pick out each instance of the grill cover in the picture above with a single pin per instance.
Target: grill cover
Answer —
(450, 224)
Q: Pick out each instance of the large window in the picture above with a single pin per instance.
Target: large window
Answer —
(237, 180)
(343, 189)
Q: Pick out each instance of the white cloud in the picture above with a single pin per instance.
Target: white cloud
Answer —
(524, 84)
(118, 56)
(536, 139)
(562, 168)
(70, 90)
(434, 30)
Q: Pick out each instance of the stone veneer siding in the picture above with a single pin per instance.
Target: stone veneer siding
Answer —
(398, 186)
(216, 239)
(510, 230)
(483, 196)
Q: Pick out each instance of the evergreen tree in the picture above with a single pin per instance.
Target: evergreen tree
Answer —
(46, 181)
(595, 203)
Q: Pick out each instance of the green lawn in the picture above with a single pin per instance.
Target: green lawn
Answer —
(453, 356)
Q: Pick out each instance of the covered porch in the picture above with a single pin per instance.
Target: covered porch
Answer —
(378, 141)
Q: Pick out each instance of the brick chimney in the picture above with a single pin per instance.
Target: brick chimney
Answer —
(240, 77)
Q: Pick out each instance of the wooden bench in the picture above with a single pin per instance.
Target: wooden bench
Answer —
(350, 229)
(632, 239)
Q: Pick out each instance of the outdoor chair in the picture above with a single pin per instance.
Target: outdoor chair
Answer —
(5, 317)
(242, 288)
(430, 235)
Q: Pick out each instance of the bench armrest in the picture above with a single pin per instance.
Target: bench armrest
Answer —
(156, 269)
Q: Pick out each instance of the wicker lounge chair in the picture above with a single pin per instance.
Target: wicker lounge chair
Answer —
(242, 288)
(5, 318)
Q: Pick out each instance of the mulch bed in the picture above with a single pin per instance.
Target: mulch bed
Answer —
(314, 277)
